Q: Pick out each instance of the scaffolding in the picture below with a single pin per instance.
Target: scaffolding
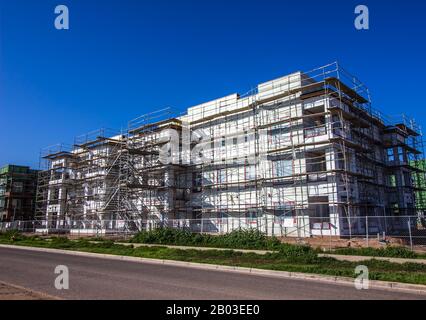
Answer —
(324, 154)
(155, 177)
(296, 151)
(56, 163)
(96, 175)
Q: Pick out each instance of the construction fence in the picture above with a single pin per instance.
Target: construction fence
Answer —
(407, 230)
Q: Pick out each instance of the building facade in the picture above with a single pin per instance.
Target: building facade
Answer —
(306, 152)
(17, 193)
(420, 184)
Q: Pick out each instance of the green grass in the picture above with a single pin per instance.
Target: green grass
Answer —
(390, 252)
(289, 258)
(252, 239)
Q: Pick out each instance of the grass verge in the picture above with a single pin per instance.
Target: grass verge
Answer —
(288, 258)
(253, 239)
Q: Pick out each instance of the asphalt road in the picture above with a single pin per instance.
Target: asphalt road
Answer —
(97, 278)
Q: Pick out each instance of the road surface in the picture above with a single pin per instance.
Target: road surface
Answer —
(98, 278)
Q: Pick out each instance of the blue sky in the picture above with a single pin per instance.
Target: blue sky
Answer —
(121, 59)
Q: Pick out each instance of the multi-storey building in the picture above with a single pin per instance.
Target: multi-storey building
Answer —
(305, 153)
(420, 184)
(17, 193)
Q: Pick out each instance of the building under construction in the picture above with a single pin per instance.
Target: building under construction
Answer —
(298, 150)
(17, 193)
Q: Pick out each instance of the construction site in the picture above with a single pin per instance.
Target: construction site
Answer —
(302, 155)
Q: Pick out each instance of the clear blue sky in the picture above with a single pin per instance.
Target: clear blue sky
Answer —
(121, 59)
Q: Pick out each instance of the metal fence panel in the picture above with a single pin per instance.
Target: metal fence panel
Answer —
(409, 230)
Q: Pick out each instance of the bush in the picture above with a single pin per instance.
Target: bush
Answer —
(298, 253)
(164, 236)
(247, 239)
(238, 239)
